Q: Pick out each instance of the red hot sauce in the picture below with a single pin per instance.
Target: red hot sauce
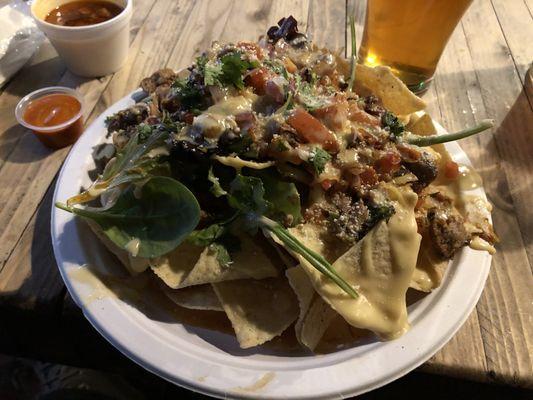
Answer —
(55, 110)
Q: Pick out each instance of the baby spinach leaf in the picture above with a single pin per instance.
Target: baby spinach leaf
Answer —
(131, 164)
(156, 222)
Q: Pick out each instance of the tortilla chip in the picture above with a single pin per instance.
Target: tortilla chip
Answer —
(340, 335)
(315, 314)
(421, 125)
(134, 265)
(190, 265)
(199, 297)
(379, 267)
(396, 97)
(381, 82)
(259, 310)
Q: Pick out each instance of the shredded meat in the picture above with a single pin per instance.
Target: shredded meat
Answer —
(343, 217)
(438, 220)
(424, 168)
(129, 117)
(373, 106)
(447, 232)
(164, 76)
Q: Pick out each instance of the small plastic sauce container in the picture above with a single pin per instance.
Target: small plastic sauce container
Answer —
(54, 114)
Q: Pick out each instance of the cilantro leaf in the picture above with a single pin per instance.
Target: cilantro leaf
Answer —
(319, 158)
(189, 94)
(206, 236)
(233, 69)
(391, 121)
(212, 73)
(222, 254)
(218, 239)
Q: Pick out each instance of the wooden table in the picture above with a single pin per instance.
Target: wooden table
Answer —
(483, 73)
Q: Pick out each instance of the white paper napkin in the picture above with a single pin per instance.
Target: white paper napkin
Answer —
(19, 37)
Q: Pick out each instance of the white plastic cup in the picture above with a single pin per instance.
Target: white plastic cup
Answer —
(92, 50)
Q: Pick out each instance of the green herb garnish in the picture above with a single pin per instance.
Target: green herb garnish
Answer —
(229, 70)
(449, 137)
(319, 158)
(159, 217)
(247, 195)
(391, 121)
(353, 55)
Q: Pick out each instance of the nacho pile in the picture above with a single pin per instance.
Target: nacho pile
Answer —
(262, 185)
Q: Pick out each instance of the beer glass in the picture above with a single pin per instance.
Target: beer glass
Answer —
(409, 36)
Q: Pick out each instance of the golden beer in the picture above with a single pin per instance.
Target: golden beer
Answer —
(409, 36)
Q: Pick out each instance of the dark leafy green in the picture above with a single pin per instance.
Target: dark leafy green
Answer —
(247, 195)
(391, 121)
(228, 71)
(164, 215)
(189, 94)
(219, 239)
(282, 198)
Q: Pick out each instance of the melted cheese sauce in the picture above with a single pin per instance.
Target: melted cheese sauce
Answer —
(221, 116)
(379, 267)
(238, 163)
(132, 247)
(86, 275)
(479, 244)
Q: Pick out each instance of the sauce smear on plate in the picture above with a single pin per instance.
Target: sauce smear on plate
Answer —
(82, 13)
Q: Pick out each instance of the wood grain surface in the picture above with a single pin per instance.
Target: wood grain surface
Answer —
(485, 72)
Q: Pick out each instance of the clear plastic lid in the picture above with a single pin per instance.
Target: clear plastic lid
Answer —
(23, 103)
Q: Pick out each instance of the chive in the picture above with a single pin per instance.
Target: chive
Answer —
(313, 258)
(449, 137)
(354, 55)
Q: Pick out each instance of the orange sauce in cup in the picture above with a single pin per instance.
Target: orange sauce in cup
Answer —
(54, 110)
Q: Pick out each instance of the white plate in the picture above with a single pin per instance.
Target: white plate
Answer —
(212, 363)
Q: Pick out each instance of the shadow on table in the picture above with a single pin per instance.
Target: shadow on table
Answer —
(23, 379)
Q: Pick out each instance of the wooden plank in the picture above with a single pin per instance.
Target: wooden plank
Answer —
(449, 104)
(505, 101)
(44, 69)
(30, 167)
(231, 21)
(529, 5)
(326, 24)
(31, 281)
(463, 88)
(517, 26)
(149, 52)
(47, 69)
